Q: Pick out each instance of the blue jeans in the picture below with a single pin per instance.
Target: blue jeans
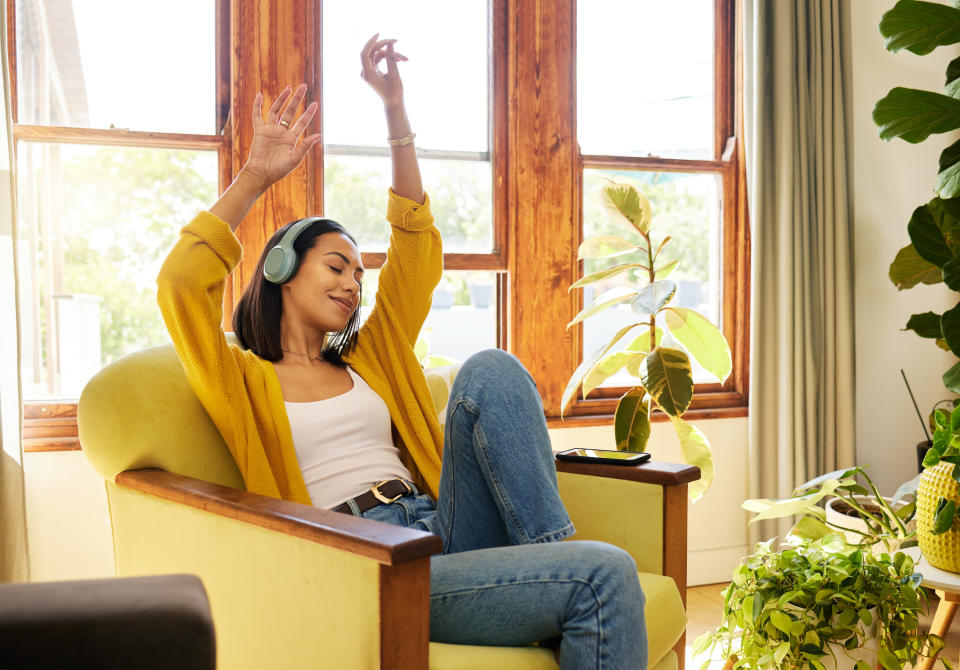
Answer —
(503, 578)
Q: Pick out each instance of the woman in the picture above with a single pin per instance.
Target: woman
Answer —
(308, 404)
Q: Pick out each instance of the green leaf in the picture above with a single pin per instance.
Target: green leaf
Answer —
(609, 365)
(811, 528)
(696, 451)
(888, 660)
(950, 327)
(951, 378)
(925, 325)
(948, 177)
(702, 339)
(633, 364)
(604, 246)
(781, 621)
(951, 273)
(781, 652)
(908, 269)
(606, 273)
(920, 27)
(627, 203)
(943, 518)
(653, 297)
(805, 504)
(931, 458)
(667, 376)
(664, 271)
(746, 608)
(588, 362)
(631, 423)
(932, 231)
(865, 617)
(913, 115)
(614, 296)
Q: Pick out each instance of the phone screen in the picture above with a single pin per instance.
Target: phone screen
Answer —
(611, 455)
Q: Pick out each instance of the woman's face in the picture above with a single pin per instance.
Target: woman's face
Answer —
(325, 291)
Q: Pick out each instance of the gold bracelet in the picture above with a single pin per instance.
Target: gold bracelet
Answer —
(401, 141)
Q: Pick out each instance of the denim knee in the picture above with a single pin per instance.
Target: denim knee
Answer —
(493, 366)
(611, 566)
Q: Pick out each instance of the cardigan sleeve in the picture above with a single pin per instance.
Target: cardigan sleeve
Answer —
(190, 289)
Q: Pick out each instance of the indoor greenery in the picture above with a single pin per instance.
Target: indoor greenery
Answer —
(887, 520)
(810, 603)
(933, 256)
(662, 367)
(945, 449)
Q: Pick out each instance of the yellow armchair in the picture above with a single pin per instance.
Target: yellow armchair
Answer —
(292, 586)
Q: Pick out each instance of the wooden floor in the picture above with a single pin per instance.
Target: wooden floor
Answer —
(705, 609)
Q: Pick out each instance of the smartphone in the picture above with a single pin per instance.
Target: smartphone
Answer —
(604, 456)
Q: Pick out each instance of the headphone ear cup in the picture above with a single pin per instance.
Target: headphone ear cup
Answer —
(279, 265)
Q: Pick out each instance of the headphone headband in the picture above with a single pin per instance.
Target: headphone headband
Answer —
(281, 261)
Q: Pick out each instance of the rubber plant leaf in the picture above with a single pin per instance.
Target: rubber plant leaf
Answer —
(607, 366)
(588, 362)
(908, 269)
(624, 201)
(653, 297)
(696, 451)
(920, 27)
(604, 246)
(606, 273)
(631, 423)
(664, 271)
(913, 115)
(934, 231)
(614, 296)
(701, 338)
(667, 376)
(925, 325)
(950, 328)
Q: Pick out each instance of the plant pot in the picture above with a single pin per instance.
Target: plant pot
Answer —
(481, 295)
(442, 299)
(841, 514)
(940, 551)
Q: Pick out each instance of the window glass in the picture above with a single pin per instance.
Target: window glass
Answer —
(117, 64)
(95, 226)
(462, 319)
(355, 194)
(645, 78)
(687, 208)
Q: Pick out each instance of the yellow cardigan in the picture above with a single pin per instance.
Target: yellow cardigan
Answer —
(240, 391)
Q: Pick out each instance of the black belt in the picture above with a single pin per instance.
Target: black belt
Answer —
(387, 491)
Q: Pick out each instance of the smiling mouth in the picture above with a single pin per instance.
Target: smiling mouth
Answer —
(346, 306)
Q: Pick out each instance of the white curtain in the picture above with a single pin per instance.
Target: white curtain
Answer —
(797, 88)
(13, 525)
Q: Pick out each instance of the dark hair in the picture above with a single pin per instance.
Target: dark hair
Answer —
(256, 319)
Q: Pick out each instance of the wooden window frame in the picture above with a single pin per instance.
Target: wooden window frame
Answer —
(537, 171)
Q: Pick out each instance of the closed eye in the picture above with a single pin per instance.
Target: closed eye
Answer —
(336, 269)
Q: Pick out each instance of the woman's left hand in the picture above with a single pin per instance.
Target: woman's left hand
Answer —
(387, 84)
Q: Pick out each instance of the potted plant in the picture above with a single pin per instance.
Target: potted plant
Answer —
(819, 604)
(663, 370)
(933, 256)
(938, 497)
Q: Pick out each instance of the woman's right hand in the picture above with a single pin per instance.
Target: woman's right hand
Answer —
(274, 152)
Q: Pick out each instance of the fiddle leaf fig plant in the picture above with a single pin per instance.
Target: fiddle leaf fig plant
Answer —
(664, 370)
(933, 255)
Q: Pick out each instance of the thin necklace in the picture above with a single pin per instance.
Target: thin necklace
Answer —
(318, 357)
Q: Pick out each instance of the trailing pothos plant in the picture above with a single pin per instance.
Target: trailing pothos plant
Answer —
(945, 449)
(798, 607)
(933, 255)
(664, 372)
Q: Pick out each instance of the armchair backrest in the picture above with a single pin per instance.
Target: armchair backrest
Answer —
(140, 412)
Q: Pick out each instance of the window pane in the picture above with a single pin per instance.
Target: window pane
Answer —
(645, 78)
(462, 320)
(355, 194)
(687, 208)
(445, 82)
(117, 64)
(95, 225)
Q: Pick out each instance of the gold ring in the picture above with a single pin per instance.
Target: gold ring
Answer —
(285, 124)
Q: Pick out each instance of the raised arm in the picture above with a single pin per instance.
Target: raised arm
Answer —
(274, 153)
(403, 155)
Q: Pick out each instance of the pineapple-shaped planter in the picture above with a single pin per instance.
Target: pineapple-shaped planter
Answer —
(941, 551)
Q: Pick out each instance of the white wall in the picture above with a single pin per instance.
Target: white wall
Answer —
(891, 179)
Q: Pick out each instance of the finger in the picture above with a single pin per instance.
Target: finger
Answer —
(304, 119)
(274, 110)
(365, 54)
(258, 111)
(301, 150)
(391, 60)
(290, 111)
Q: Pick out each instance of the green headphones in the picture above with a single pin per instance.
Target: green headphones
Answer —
(281, 262)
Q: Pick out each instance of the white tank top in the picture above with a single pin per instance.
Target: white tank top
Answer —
(343, 444)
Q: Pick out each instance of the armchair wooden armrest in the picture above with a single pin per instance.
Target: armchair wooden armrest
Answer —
(332, 590)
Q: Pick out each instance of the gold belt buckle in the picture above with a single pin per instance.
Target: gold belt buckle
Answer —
(375, 490)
